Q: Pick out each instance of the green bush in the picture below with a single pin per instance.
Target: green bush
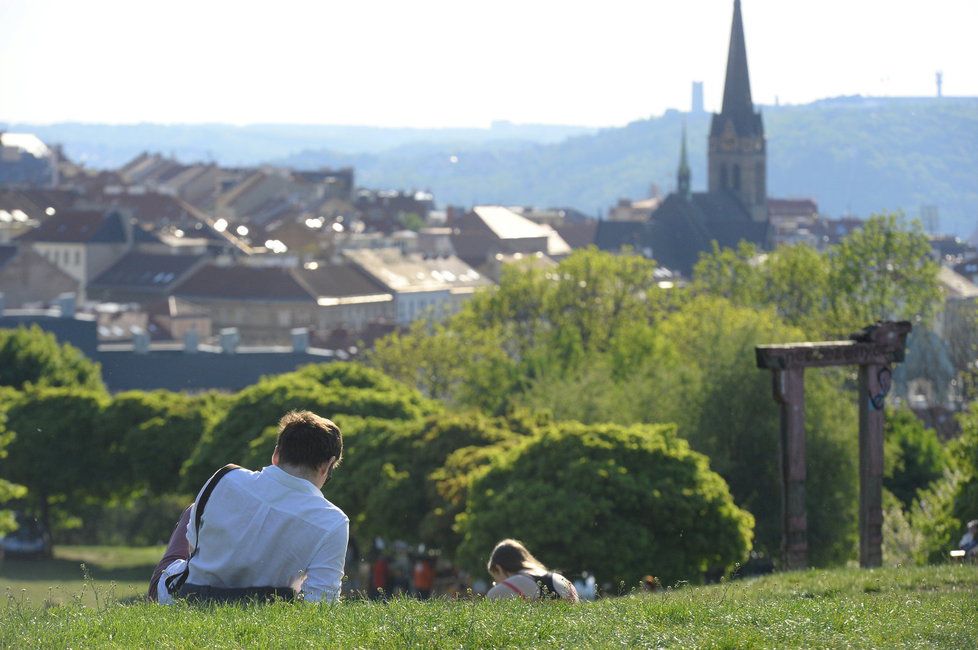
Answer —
(33, 356)
(254, 411)
(618, 501)
(58, 452)
(914, 455)
(151, 434)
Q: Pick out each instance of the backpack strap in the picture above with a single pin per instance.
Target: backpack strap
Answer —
(174, 582)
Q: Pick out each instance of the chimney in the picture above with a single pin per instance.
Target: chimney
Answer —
(66, 303)
(140, 340)
(229, 340)
(300, 340)
(190, 341)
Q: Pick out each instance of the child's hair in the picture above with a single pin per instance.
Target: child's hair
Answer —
(511, 556)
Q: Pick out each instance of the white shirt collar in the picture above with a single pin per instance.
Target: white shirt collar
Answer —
(288, 480)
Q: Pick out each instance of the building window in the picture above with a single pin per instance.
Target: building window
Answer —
(759, 181)
(77, 258)
(736, 178)
(724, 181)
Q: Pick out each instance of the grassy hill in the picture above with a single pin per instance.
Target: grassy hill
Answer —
(932, 607)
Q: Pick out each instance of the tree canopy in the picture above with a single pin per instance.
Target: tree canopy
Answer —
(33, 356)
(618, 501)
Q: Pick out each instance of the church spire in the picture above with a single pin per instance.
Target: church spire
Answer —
(683, 185)
(736, 88)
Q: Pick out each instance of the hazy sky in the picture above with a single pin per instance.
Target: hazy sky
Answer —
(430, 63)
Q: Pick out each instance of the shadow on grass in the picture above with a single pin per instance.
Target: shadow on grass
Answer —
(65, 570)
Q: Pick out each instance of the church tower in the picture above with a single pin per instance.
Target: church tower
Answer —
(738, 153)
(682, 175)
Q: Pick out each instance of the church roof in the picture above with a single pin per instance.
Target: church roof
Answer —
(681, 229)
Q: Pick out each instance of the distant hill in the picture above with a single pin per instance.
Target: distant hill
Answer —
(111, 145)
(853, 155)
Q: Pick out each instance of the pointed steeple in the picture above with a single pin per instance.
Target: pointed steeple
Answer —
(736, 88)
(683, 175)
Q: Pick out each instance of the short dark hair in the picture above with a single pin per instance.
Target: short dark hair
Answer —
(308, 440)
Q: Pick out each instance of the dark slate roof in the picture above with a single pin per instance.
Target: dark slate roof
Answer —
(339, 280)
(74, 226)
(138, 270)
(615, 235)
(243, 283)
(680, 229)
(7, 253)
(578, 234)
(85, 227)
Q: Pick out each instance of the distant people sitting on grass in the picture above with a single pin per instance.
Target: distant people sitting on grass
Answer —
(263, 535)
(969, 542)
(520, 575)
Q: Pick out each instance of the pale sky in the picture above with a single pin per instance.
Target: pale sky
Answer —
(453, 63)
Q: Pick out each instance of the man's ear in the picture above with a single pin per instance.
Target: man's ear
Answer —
(275, 456)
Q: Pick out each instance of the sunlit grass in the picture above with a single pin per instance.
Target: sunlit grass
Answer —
(903, 607)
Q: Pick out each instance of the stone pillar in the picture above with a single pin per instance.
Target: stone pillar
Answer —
(789, 391)
(873, 385)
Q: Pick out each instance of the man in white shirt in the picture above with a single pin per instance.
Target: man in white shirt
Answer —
(265, 532)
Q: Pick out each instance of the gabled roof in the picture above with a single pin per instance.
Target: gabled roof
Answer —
(956, 285)
(506, 224)
(578, 234)
(267, 284)
(85, 227)
(136, 270)
(409, 273)
(339, 281)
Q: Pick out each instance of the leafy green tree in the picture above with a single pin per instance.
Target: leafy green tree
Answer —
(942, 509)
(883, 271)
(620, 502)
(728, 414)
(537, 325)
(58, 452)
(254, 412)
(737, 275)
(914, 456)
(151, 434)
(33, 356)
(8, 490)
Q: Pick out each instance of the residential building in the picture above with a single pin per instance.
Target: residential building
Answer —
(26, 277)
(422, 287)
(487, 230)
(84, 243)
(266, 302)
(25, 161)
(142, 277)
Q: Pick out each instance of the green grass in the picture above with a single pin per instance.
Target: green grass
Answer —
(115, 572)
(903, 607)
